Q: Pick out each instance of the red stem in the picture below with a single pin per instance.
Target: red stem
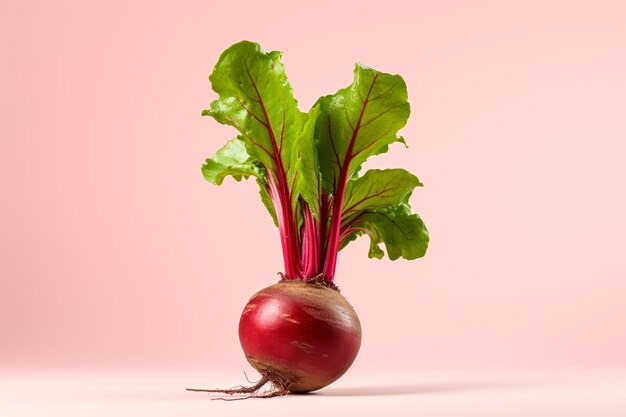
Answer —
(291, 264)
(311, 251)
(330, 261)
(282, 201)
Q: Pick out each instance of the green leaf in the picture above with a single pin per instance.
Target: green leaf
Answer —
(256, 98)
(359, 121)
(403, 233)
(377, 189)
(376, 204)
(267, 200)
(233, 160)
(304, 168)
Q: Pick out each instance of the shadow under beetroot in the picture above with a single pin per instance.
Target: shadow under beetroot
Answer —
(413, 389)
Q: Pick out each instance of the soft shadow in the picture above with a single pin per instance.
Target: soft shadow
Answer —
(412, 389)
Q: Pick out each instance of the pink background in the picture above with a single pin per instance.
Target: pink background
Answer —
(116, 254)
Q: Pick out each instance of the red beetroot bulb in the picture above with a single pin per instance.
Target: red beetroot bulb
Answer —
(300, 335)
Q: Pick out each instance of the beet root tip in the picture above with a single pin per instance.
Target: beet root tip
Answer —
(259, 390)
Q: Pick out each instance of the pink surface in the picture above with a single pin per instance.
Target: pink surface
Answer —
(115, 253)
(432, 394)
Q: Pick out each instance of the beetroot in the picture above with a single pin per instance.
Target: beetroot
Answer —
(301, 334)
(304, 335)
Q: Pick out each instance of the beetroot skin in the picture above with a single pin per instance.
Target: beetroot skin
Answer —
(301, 335)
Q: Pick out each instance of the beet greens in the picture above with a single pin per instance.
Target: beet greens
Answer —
(307, 164)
